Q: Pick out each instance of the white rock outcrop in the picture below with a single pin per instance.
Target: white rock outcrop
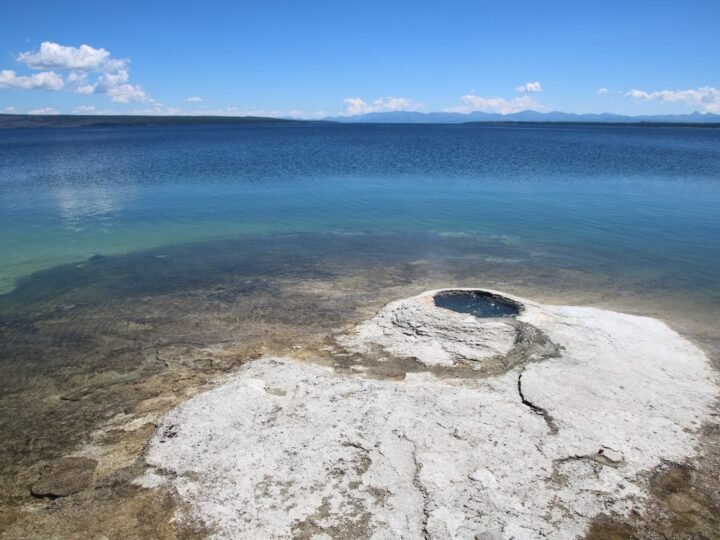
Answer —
(290, 449)
(435, 337)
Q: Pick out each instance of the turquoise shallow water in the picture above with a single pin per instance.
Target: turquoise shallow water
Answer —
(638, 201)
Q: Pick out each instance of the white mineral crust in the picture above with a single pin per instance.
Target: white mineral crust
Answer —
(287, 449)
(435, 337)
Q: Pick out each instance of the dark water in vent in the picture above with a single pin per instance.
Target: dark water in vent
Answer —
(474, 303)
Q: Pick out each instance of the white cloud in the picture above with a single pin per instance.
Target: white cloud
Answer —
(54, 56)
(47, 80)
(194, 99)
(530, 87)
(10, 110)
(115, 85)
(706, 98)
(472, 103)
(85, 89)
(90, 71)
(44, 110)
(602, 91)
(76, 77)
(354, 106)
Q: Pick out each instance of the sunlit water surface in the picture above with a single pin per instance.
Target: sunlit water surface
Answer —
(637, 203)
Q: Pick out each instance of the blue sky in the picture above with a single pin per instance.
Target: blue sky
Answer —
(317, 58)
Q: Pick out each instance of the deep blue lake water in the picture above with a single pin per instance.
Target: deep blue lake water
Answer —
(639, 201)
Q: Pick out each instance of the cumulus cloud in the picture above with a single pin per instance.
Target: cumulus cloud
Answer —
(10, 110)
(706, 98)
(473, 103)
(602, 91)
(47, 80)
(83, 70)
(44, 110)
(194, 99)
(54, 56)
(530, 87)
(355, 106)
(115, 84)
(76, 78)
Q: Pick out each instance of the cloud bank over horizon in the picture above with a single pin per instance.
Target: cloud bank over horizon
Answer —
(356, 106)
(88, 70)
(706, 98)
(474, 103)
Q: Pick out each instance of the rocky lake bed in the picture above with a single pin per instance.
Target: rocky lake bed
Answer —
(333, 399)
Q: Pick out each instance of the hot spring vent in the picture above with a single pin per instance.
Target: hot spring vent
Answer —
(477, 303)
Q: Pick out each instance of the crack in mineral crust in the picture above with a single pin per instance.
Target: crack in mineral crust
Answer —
(417, 482)
(549, 420)
(598, 458)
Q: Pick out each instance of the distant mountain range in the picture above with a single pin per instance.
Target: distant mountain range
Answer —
(410, 117)
(9, 121)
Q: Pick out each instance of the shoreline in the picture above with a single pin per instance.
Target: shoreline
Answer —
(69, 121)
(178, 359)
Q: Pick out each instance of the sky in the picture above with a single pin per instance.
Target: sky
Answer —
(312, 59)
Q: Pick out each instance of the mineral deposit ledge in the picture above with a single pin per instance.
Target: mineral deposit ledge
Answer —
(562, 414)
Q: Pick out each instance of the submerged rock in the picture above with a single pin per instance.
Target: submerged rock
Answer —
(589, 401)
(64, 477)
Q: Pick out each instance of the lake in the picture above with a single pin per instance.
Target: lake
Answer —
(628, 200)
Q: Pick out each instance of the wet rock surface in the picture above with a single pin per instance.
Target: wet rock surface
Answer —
(64, 477)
